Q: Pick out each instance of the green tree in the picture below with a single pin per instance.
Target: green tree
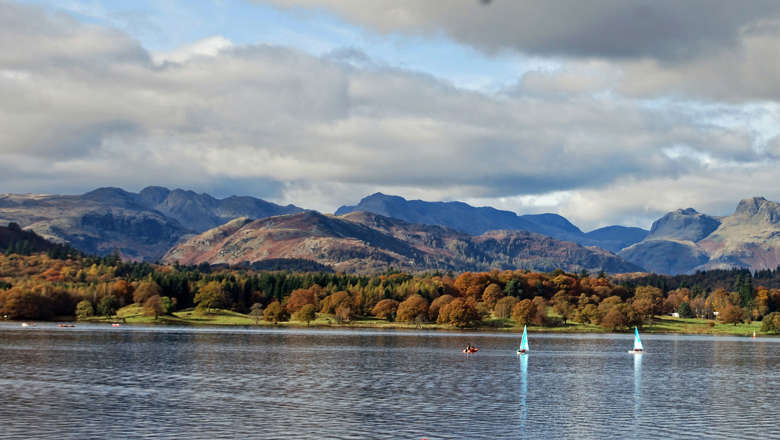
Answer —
(108, 305)
(211, 296)
(684, 310)
(513, 288)
(306, 314)
(84, 310)
(168, 304)
(771, 323)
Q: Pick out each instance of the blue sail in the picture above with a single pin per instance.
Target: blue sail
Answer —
(637, 341)
(524, 342)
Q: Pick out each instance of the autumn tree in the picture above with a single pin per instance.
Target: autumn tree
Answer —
(299, 298)
(411, 308)
(333, 301)
(153, 306)
(343, 312)
(562, 306)
(385, 309)
(732, 314)
(523, 312)
(504, 306)
(146, 290)
(256, 312)
(274, 312)
(437, 304)
(492, 294)
(459, 312)
(123, 291)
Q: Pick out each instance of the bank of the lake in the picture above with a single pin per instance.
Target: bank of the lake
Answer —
(133, 314)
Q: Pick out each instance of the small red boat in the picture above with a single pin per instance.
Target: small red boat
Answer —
(470, 350)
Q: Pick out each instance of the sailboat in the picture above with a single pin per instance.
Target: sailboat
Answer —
(638, 348)
(524, 343)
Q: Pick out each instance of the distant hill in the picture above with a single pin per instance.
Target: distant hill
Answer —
(367, 242)
(478, 220)
(15, 240)
(140, 226)
(685, 240)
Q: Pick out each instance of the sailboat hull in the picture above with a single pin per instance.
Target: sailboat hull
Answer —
(636, 351)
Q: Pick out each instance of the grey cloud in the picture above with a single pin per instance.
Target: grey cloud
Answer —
(660, 29)
(701, 49)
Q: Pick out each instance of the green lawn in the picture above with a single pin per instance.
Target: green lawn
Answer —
(133, 314)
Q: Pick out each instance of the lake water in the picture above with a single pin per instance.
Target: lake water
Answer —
(208, 383)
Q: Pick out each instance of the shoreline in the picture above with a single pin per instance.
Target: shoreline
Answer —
(663, 325)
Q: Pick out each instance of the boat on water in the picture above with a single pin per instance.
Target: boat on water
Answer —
(28, 324)
(524, 342)
(470, 349)
(638, 348)
(115, 324)
(65, 325)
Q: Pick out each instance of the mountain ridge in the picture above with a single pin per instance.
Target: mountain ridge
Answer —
(367, 242)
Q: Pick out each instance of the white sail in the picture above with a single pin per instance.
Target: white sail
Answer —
(524, 342)
(637, 341)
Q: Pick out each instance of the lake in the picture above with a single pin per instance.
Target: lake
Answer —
(96, 381)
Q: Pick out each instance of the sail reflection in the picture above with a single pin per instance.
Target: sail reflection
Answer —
(523, 394)
(637, 387)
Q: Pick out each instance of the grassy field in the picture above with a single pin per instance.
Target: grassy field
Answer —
(133, 314)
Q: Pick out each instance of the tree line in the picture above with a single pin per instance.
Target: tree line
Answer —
(43, 286)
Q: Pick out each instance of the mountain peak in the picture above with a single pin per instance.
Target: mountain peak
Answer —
(760, 208)
(683, 224)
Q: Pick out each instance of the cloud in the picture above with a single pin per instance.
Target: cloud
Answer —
(658, 29)
(699, 49)
(85, 106)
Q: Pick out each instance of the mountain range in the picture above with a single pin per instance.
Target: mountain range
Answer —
(141, 226)
(368, 242)
(383, 230)
(478, 220)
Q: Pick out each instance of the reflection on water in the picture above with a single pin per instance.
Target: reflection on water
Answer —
(101, 382)
(637, 388)
(523, 395)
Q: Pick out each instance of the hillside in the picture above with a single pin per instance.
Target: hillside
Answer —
(367, 242)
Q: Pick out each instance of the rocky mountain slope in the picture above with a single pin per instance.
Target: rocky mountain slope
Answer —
(478, 220)
(140, 226)
(367, 242)
(685, 241)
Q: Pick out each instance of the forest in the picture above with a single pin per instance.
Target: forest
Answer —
(60, 284)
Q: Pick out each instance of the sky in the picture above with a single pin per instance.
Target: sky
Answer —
(606, 112)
